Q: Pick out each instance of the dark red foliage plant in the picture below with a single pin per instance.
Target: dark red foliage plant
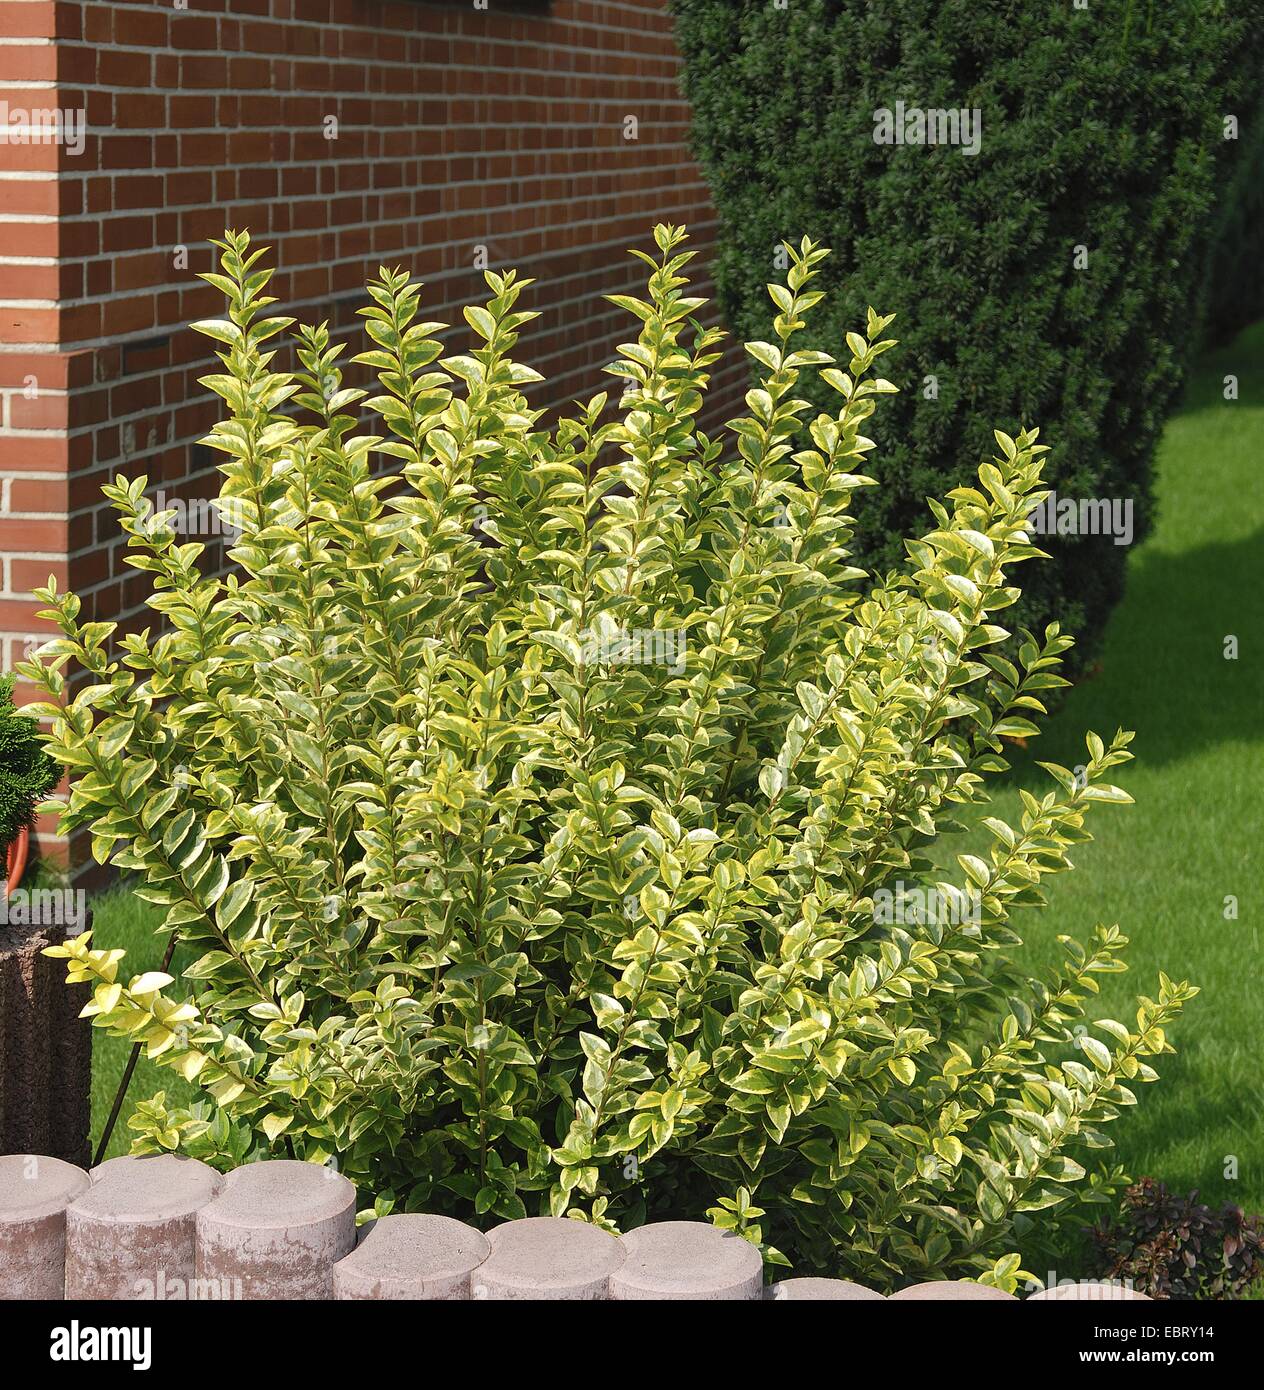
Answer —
(1177, 1247)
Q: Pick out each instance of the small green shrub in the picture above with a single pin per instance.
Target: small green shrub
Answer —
(1056, 273)
(27, 773)
(553, 817)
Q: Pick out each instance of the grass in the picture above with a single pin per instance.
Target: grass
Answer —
(1165, 868)
(121, 919)
(1162, 868)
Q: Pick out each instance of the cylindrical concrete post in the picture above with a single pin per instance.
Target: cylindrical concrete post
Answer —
(953, 1290)
(1091, 1290)
(276, 1230)
(132, 1234)
(548, 1257)
(34, 1194)
(411, 1257)
(816, 1290)
(687, 1260)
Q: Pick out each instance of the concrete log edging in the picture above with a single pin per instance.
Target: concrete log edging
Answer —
(411, 1257)
(276, 1230)
(171, 1228)
(548, 1257)
(34, 1194)
(687, 1260)
(132, 1234)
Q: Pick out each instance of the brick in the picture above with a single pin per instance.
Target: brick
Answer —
(279, 1227)
(140, 28)
(36, 62)
(548, 1257)
(30, 239)
(37, 495)
(141, 272)
(33, 534)
(99, 24)
(131, 1235)
(128, 234)
(124, 68)
(687, 1260)
(196, 33)
(42, 411)
(203, 72)
(28, 21)
(37, 196)
(126, 152)
(34, 1195)
(29, 325)
(28, 575)
(51, 454)
(411, 1257)
(18, 615)
(141, 110)
(130, 315)
(37, 157)
(100, 276)
(29, 281)
(50, 370)
(137, 192)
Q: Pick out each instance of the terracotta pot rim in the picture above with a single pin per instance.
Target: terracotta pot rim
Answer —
(15, 858)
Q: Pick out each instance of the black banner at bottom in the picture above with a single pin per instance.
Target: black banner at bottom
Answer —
(372, 1338)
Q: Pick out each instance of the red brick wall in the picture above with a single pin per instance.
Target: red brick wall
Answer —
(457, 128)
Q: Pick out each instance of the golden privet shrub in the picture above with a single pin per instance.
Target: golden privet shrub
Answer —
(553, 816)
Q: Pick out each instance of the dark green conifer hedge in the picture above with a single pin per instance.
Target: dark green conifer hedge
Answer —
(1235, 289)
(1053, 278)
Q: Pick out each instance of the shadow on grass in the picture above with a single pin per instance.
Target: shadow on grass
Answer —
(1195, 582)
(1165, 673)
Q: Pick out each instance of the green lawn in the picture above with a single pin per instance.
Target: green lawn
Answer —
(1161, 868)
(119, 918)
